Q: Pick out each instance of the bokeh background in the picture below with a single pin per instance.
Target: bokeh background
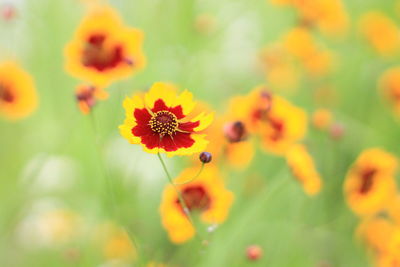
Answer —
(53, 192)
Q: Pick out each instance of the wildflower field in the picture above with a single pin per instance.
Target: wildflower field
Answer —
(199, 133)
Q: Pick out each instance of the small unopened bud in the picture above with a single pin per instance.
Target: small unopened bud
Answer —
(205, 157)
(235, 131)
(254, 252)
(337, 131)
(8, 11)
(129, 61)
(265, 100)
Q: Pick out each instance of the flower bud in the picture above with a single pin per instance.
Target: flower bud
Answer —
(337, 131)
(235, 131)
(254, 252)
(205, 157)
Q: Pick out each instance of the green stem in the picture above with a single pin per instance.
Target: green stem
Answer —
(193, 178)
(184, 207)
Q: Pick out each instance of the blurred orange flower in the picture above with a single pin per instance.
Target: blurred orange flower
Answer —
(87, 97)
(284, 125)
(115, 242)
(370, 183)
(161, 121)
(303, 168)
(18, 97)
(206, 195)
(381, 32)
(103, 49)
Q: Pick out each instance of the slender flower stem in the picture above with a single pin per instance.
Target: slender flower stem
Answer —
(184, 206)
(193, 178)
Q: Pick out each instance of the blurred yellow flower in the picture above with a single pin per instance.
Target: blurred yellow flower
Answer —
(115, 242)
(161, 121)
(206, 195)
(18, 97)
(381, 32)
(303, 169)
(370, 185)
(103, 49)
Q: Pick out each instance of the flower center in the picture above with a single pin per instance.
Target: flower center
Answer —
(196, 198)
(98, 55)
(367, 180)
(164, 122)
(5, 94)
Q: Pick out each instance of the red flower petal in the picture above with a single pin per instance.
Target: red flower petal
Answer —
(178, 112)
(141, 129)
(151, 140)
(188, 126)
(142, 116)
(183, 140)
(168, 143)
(160, 105)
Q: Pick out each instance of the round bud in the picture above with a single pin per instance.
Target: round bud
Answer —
(254, 252)
(205, 157)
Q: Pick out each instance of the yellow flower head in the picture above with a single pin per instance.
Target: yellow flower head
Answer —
(103, 49)
(18, 96)
(390, 85)
(161, 121)
(381, 32)
(303, 168)
(370, 184)
(206, 195)
(284, 125)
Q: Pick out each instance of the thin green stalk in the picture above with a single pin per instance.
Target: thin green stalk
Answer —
(194, 177)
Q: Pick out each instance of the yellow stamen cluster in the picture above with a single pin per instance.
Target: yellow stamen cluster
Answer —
(164, 122)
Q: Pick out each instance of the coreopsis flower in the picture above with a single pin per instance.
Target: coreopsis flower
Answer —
(103, 49)
(389, 83)
(381, 32)
(322, 119)
(370, 185)
(87, 97)
(303, 168)
(206, 195)
(161, 121)
(18, 97)
(284, 125)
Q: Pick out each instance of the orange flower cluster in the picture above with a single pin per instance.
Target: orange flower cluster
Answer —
(371, 193)
(329, 16)
(284, 61)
